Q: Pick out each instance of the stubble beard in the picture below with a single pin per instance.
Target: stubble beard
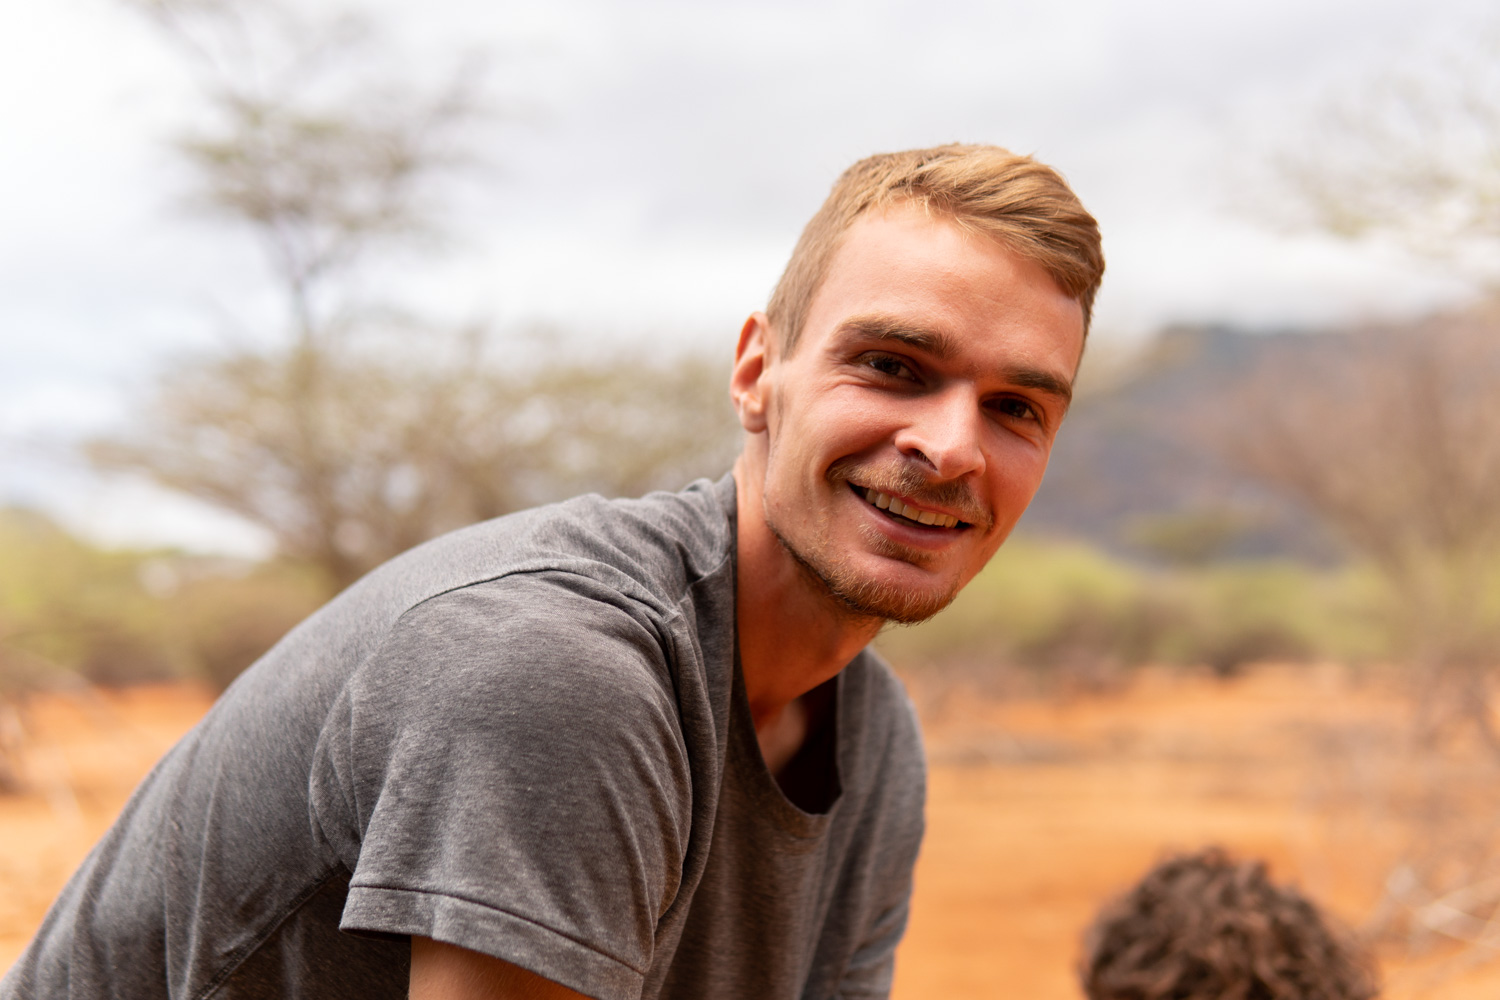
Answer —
(855, 595)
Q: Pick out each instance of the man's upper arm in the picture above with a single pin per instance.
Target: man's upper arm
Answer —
(511, 767)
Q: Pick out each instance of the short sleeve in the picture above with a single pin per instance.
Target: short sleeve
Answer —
(507, 773)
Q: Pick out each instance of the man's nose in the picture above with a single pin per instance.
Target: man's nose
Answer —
(946, 431)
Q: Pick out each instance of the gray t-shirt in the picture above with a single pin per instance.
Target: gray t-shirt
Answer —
(529, 738)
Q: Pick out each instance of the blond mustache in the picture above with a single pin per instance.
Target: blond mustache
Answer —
(909, 481)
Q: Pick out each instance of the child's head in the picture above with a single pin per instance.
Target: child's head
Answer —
(1206, 927)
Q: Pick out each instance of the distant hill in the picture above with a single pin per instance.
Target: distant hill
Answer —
(1139, 467)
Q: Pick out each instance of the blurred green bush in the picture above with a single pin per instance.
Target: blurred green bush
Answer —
(71, 611)
(1069, 608)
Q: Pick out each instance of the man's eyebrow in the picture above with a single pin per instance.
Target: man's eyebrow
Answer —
(934, 342)
(941, 346)
(1035, 378)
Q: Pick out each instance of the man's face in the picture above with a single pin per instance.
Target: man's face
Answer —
(929, 380)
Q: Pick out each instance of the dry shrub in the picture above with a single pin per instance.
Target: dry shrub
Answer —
(1392, 436)
(1425, 810)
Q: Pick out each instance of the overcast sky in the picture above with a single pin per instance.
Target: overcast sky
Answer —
(658, 163)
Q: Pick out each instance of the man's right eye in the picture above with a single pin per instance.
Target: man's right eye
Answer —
(888, 365)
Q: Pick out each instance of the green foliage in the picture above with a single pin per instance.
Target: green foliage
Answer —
(69, 610)
(1031, 594)
(1189, 538)
(1060, 605)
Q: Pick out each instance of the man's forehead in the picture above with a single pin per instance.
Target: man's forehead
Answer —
(908, 241)
(912, 265)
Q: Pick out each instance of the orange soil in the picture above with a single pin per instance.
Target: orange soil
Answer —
(1039, 810)
(85, 753)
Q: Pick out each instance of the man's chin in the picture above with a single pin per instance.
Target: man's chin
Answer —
(890, 602)
(870, 594)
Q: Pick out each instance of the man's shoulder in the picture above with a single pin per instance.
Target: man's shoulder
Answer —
(653, 545)
(657, 544)
(649, 554)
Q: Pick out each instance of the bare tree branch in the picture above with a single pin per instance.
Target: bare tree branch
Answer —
(1393, 436)
(349, 460)
(1413, 155)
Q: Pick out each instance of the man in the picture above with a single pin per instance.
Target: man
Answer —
(634, 748)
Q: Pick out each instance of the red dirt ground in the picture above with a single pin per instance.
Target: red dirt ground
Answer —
(1039, 810)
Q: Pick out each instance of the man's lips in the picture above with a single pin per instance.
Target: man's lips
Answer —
(913, 487)
(904, 511)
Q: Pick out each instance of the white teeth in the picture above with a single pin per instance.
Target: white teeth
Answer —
(885, 502)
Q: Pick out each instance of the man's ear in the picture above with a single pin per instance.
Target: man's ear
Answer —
(749, 383)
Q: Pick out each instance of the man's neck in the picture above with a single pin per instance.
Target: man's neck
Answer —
(792, 637)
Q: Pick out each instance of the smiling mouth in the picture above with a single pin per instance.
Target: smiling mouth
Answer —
(904, 512)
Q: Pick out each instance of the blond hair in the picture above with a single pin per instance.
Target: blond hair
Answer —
(1022, 204)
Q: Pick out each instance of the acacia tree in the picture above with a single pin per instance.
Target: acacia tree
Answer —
(1411, 155)
(310, 142)
(363, 429)
(383, 456)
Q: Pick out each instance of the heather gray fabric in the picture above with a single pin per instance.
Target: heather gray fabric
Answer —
(528, 738)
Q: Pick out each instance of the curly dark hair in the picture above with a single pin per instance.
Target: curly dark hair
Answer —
(1205, 926)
